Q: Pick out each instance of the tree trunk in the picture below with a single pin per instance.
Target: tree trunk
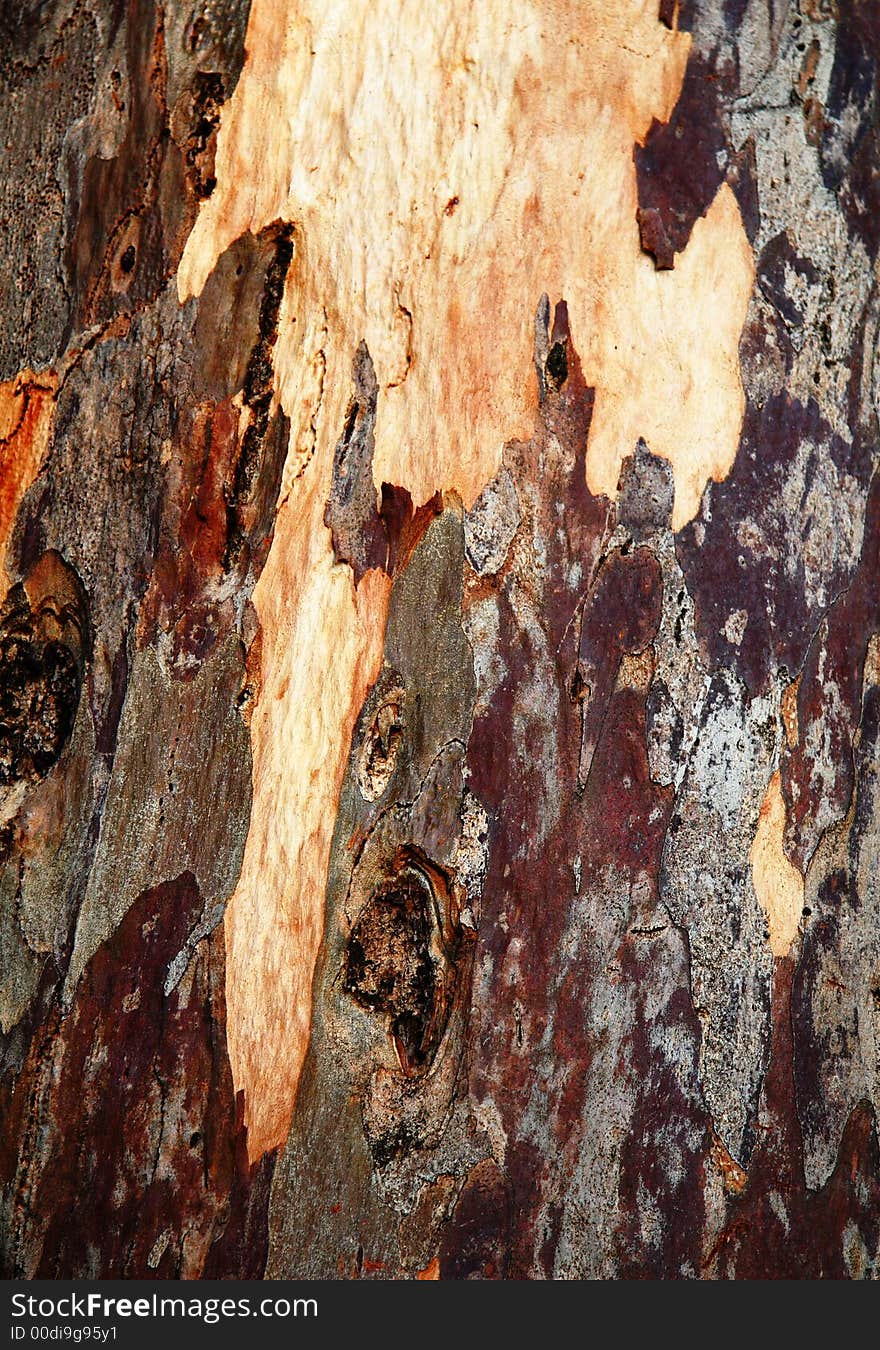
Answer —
(439, 655)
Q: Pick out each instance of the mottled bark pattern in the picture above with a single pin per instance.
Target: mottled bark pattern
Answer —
(550, 1037)
(123, 645)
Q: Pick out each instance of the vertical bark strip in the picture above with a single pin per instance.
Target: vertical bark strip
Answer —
(439, 632)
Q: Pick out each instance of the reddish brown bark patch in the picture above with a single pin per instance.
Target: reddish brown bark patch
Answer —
(132, 1097)
(682, 164)
(476, 1240)
(776, 1228)
(368, 533)
(755, 549)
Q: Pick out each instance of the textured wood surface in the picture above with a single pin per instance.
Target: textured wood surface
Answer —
(439, 629)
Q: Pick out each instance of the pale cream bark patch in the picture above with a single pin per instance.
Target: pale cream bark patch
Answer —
(778, 884)
(871, 674)
(789, 712)
(444, 165)
(447, 164)
(322, 649)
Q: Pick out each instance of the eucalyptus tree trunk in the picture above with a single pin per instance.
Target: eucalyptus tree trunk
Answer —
(439, 656)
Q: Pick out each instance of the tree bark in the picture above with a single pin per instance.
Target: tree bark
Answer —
(440, 639)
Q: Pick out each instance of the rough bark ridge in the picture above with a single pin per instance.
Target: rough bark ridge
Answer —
(597, 988)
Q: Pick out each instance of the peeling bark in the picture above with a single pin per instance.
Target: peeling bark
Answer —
(439, 631)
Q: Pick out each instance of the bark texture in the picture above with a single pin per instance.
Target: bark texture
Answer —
(440, 639)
